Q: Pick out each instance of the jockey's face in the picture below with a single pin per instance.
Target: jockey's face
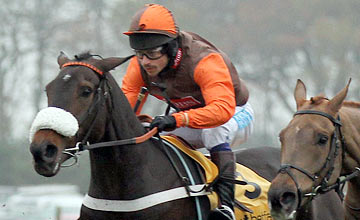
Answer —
(153, 61)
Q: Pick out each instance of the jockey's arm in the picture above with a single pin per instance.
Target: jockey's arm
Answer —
(214, 80)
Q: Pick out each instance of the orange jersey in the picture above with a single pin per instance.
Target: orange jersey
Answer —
(202, 86)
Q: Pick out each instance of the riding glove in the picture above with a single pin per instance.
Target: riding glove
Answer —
(166, 123)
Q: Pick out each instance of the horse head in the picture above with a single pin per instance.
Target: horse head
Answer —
(78, 102)
(310, 152)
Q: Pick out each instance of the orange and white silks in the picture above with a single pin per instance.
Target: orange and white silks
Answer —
(212, 76)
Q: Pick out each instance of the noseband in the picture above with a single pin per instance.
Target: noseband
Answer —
(336, 140)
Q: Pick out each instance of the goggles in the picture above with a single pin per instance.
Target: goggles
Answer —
(151, 54)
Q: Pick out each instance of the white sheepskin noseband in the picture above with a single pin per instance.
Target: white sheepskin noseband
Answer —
(56, 119)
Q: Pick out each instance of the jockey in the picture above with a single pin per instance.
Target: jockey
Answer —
(202, 85)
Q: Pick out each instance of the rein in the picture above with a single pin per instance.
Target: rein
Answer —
(136, 140)
(351, 207)
(323, 187)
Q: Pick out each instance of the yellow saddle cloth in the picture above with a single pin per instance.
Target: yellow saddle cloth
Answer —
(253, 195)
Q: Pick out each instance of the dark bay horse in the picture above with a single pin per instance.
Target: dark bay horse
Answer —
(320, 152)
(86, 105)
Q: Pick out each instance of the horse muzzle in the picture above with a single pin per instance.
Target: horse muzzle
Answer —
(47, 151)
(283, 199)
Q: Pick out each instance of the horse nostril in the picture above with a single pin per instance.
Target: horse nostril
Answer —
(36, 152)
(50, 151)
(287, 199)
(43, 152)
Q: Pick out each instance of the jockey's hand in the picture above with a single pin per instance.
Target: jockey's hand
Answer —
(167, 123)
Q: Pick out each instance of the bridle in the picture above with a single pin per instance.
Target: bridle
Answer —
(102, 94)
(337, 140)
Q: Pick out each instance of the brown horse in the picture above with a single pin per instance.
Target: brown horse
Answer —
(86, 105)
(320, 151)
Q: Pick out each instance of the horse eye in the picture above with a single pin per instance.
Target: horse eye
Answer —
(323, 140)
(86, 91)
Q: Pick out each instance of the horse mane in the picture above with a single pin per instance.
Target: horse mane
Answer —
(122, 111)
(318, 99)
(85, 55)
(351, 104)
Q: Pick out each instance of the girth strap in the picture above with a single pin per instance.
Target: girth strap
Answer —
(143, 202)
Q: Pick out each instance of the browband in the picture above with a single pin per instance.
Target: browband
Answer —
(98, 71)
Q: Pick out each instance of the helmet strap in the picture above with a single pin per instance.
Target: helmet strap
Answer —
(175, 53)
(175, 62)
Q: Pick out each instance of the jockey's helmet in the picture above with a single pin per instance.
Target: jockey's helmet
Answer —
(152, 26)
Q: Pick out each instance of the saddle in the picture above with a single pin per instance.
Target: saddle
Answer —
(250, 199)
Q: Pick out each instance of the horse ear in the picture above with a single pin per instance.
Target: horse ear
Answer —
(112, 62)
(300, 93)
(336, 102)
(62, 59)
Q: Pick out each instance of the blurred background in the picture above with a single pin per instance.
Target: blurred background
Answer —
(271, 42)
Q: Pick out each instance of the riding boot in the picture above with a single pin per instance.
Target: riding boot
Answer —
(225, 161)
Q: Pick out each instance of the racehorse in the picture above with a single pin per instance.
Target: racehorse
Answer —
(320, 152)
(86, 105)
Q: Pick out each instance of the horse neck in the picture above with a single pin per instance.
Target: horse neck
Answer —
(352, 199)
(351, 132)
(115, 171)
(130, 171)
(121, 124)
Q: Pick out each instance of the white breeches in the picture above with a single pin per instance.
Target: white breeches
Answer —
(236, 130)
